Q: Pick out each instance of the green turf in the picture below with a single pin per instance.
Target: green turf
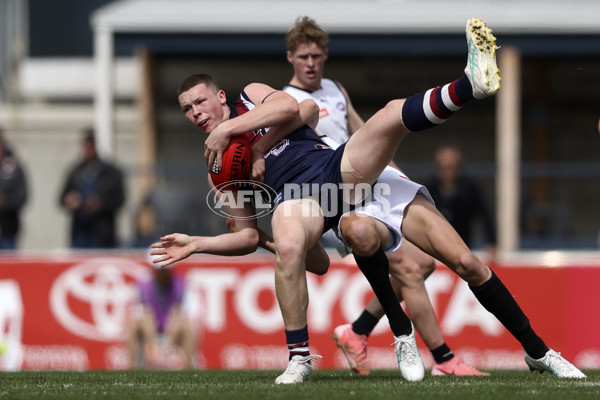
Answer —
(326, 384)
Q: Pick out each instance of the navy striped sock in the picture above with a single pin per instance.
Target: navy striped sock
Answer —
(297, 342)
(434, 106)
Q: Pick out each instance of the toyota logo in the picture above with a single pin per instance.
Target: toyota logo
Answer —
(90, 299)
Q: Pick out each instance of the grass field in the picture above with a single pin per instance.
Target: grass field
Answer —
(326, 384)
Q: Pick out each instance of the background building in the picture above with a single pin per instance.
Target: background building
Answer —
(67, 64)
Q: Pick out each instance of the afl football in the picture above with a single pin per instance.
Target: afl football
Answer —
(237, 162)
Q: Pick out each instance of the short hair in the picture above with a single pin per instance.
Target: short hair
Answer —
(89, 136)
(306, 31)
(197, 79)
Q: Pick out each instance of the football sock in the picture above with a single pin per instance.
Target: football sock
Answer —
(365, 323)
(375, 268)
(434, 106)
(297, 342)
(496, 298)
(442, 354)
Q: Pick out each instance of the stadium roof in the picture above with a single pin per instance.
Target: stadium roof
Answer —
(349, 16)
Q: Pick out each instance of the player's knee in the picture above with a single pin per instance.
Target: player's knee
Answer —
(427, 267)
(398, 257)
(318, 269)
(395, 107)
(405, 269)
(318, 264)
(361, 234)
(287, 250)
(471, 269)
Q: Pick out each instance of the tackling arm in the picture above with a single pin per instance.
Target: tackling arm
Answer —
(273, 108)
(178, 246)
(355, 122)
(308, 115)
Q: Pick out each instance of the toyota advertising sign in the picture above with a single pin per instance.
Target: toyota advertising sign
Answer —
(70, 312)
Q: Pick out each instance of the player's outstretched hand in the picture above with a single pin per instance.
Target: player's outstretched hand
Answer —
(172, 248)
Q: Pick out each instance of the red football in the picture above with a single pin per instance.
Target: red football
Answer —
(237, 162)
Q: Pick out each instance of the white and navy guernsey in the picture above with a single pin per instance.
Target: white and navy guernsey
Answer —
(301, 159)
(333, 108)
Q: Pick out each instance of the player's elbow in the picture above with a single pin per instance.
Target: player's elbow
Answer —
(249, 240)
(309, 112)
(308, 106)
(290, 108)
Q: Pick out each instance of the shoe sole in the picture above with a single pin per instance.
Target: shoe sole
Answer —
(481, 37)
(534, 368)
(292, 383)
(352, 363)
(305, 378)
(439, 372)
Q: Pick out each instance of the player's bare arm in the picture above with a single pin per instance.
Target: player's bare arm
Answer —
(308, 115)
(264, 239)
(355, 122)
(273, 107)
(178, 246)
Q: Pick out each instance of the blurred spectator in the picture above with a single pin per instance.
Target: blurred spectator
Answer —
(166, 209)
(93, 192)
(159, 319)
(13, 196)
(459, 198)
(145, 222)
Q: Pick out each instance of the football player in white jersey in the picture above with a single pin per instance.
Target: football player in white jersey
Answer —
(409, 266)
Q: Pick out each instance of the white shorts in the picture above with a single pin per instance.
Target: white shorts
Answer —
(392, 192)
(331, 239)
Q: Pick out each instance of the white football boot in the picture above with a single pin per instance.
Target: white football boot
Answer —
(298, 370)
(409, 360)
(554, 363)
(481, 67)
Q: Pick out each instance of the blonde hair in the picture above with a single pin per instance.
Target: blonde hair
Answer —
(305, 31)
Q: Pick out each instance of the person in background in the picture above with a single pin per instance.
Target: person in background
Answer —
(159, 318)
(13, 196)
(93, 193)
(459, 198)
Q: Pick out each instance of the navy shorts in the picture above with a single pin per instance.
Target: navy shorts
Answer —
(300, 172)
